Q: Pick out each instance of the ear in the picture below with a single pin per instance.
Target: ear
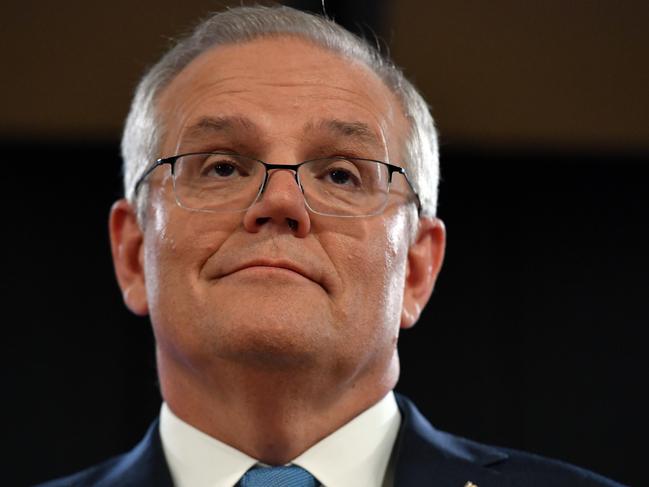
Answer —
(126, 240)
(425, 258)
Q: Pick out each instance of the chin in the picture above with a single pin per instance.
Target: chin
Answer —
(270, 337)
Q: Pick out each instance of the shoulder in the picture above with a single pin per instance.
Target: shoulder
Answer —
(97, 475)
(144, 465)
(425, 453)
(535, 470)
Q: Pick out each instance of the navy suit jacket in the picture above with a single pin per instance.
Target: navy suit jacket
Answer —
(425, 457)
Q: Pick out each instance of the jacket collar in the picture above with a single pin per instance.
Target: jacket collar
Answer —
(143, 465)
(426, 456)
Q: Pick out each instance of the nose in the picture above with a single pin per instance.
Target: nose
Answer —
(281, 205)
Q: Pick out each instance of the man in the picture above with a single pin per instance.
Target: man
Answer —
(282, 239)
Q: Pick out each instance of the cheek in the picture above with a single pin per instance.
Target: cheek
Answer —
(394, 258)
(181, 240)
(177, 244)
(372, 267)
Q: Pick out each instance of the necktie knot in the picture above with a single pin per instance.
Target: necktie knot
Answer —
(291, 476)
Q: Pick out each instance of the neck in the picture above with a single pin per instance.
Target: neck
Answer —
(272, 415)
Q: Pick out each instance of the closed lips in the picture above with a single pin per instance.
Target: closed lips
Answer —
(287, 265)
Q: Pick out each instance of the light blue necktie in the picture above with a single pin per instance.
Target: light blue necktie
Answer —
(291, 476)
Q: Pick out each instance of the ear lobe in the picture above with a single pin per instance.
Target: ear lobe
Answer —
(126, 240)
(425, 258)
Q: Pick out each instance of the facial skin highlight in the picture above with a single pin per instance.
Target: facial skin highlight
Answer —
(239, 299)
(280, 103)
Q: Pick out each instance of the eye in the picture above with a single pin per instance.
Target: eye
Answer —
(220, 166)
(223, 169)
(340, 176)
(341, 172)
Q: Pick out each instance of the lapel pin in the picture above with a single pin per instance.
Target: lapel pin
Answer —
(470, 484)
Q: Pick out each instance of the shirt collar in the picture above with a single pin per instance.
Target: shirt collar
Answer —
(196, 459)
(355, 454)
(358, 452)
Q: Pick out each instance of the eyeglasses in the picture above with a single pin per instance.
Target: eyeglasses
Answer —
(222, 182)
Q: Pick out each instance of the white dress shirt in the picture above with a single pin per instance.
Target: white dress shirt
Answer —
(356, 454)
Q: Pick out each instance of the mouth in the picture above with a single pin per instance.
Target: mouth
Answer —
(267, 268)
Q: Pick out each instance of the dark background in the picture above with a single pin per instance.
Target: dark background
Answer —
(536, 335)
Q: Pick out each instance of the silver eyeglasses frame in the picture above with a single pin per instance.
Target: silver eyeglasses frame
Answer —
(171, 161)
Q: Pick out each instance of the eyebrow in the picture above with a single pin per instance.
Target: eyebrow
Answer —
(351, 130)
(207, 126)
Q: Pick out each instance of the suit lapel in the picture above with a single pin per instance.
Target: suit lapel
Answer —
(426, 456)
(145, 465)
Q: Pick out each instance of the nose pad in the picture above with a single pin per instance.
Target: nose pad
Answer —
(280, 204)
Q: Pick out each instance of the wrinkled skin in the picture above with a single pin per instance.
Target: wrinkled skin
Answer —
(276, 313)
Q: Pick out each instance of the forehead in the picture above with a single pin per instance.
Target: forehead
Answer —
(278, 87)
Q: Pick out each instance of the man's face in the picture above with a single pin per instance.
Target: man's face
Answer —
(277, 284)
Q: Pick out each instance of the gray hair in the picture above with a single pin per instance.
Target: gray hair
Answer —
(143, 130)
